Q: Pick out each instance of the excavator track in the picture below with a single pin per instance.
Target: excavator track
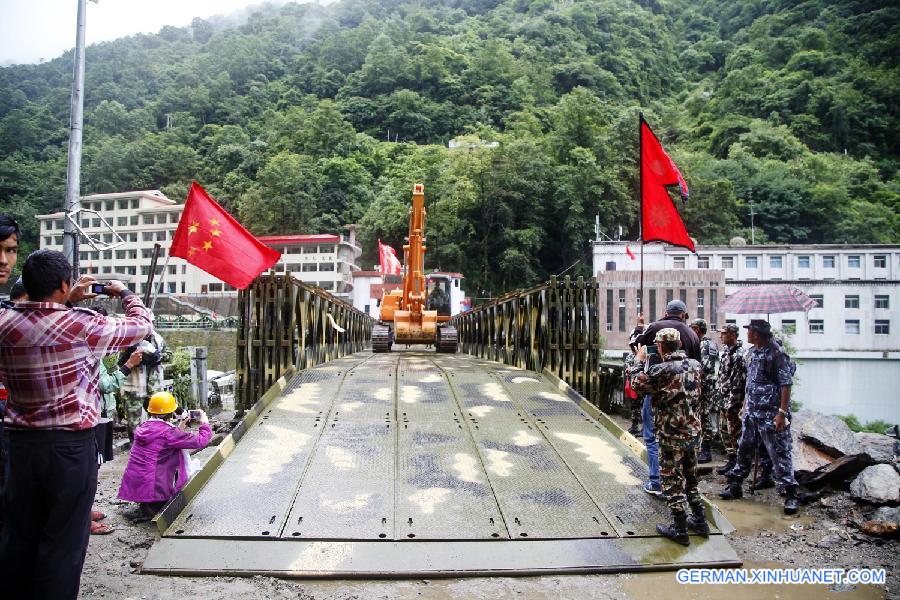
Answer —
(382, 338)
(447, 339)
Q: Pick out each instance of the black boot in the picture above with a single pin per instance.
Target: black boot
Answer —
(635, 427)
(677, 531)
(724, 469)
(765, 482)
(733, 491)
(697, 520)
(791, 504)
(705, 455)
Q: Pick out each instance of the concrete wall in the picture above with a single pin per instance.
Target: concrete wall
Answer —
(222, 344)
(868, 388)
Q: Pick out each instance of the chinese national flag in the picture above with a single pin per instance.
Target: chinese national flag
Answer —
(660, 221)
(387, 257)
(210, 238)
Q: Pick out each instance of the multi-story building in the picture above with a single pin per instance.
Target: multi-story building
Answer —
(144, 218)
(848, 345)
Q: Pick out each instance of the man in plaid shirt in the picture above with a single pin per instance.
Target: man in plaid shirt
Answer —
(49, 361)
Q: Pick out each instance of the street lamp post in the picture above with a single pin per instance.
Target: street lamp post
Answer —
(73, 172)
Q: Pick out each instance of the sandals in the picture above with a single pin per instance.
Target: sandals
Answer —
(96, 515)
(101, 528)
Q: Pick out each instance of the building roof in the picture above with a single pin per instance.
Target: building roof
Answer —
(289, 240)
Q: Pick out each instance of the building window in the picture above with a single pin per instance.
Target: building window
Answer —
(326, 266)
(652, 313)
(326, 250)
(107, 255)
(727, 262)
(851, 326)
(788, 326)
(122, 221)
(714, 308)
(816, 326)
(776, 262)
(215, 287)
(802, 262)
(48, 240)
(309, 267)
(679, 262)
(135, 203)
(148, 219)
(882, 301)
(820, 300)
(609, 310)
(147, 236)
(621, 310)
(880, 261)
(160, 236)
(309, 249)
(133, 220)
(669, 295)
(882, 326)
(701, 304)
(107, 269)
(854, 261)
(95, 222)
(682, 295)
(851, 301)
(123, 204)
(828, 262)
(751, 262)
(639, 300)
(120, 254)
(702, 262)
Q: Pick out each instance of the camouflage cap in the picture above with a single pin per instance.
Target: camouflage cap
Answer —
(700, 324)
(668, 334)
(730, 328)
(759, 326)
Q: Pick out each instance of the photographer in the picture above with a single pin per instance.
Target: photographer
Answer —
(144, 377)
(49, 361)
(159, 463)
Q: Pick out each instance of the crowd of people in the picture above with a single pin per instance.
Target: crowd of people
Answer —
(671, 374)
(54, 392)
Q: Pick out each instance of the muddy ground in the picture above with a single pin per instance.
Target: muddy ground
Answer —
(820, 536)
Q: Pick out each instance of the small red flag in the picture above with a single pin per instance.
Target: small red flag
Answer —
(387, 258)
(211, 239)
(629, 252)
(660, 221)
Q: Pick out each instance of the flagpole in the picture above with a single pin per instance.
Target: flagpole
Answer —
(641, 199)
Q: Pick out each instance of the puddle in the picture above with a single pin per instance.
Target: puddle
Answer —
(750, 517)
(653, 586)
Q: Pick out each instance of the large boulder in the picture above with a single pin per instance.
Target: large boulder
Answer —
(806, 458)
(878, 484)
(882, 448)
(827, 433)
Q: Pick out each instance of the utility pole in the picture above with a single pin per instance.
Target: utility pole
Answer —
(73, 172)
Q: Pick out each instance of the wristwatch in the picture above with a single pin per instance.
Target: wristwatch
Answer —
(783, 412)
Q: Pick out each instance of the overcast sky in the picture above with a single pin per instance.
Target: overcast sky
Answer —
(34, 29)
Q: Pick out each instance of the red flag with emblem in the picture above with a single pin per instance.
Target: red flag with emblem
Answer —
(387, 257)
(660, 221)
(211, 239)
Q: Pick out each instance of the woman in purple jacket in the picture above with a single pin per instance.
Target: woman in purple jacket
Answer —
(158, 466)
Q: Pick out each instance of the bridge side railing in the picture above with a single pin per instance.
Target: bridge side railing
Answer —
(554, 326)
(283, 323)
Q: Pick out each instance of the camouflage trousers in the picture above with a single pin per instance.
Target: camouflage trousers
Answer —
(635, 406)
(705, 411)
(678, 472)
(134, 410)
(758, 434)
(730, 427)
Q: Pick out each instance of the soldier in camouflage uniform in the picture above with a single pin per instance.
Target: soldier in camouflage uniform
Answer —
(675, 385)
(709, 355)
(633, 400)
(766, 414)
(143, 380)
(730, 384)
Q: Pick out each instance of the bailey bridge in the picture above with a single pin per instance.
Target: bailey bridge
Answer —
(493, 461)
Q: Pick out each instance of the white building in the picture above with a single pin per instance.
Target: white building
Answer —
(848, 346)
(143, 218)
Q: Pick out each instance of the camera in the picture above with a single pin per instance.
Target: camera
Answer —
(98, 288)
(195, 415)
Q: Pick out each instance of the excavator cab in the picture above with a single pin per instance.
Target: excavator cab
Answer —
(438, 298)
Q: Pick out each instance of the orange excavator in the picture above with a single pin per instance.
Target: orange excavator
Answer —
(419, 312)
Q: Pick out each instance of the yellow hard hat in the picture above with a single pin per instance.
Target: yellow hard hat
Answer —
(162, 403)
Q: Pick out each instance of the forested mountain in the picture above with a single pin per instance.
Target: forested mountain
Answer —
(304, 118)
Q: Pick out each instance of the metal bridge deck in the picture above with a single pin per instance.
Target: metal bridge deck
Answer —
(414, 463)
